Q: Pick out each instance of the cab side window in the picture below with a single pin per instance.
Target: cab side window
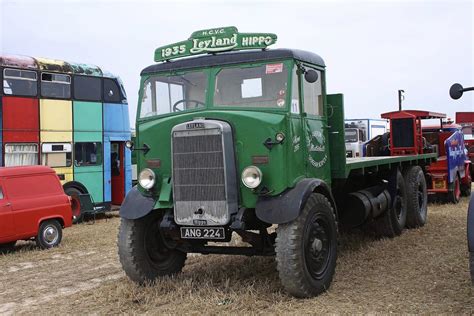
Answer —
(1, 193)
(313, 96)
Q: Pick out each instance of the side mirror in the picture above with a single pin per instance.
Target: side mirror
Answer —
(311, 75)
(456, 91)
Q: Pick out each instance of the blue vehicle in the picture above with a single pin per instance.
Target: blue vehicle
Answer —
(456, 92)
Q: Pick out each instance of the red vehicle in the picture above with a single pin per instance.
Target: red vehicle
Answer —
(33, 205)
(450, 175)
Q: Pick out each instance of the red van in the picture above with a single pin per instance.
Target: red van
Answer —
(33, 205)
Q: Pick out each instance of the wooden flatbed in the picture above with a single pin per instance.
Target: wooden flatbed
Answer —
(363, 164)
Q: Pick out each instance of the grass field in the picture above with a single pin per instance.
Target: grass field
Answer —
(423, 271)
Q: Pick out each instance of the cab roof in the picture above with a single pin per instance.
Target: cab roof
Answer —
(24, 170)
(236, 57)
(413, 114)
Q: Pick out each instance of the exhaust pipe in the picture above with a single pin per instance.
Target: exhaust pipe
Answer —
(360, 205)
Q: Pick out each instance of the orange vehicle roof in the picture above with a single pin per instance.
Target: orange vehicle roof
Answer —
(24, 170)
(413, 113)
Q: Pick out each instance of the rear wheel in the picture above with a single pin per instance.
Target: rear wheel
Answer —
(77, 215)
(50, 234)
(306, 249)
(454, 195)
(466, 187)
(393, 221)
(142, 252)
(417, 197)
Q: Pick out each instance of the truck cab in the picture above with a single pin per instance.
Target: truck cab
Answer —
(354, 138)
(241, 139)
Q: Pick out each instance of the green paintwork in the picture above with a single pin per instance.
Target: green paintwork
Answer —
(92, 177)
(337, 148)
(361, 163)
(87, 116)
(215, 40)
(88, 128)
(313, 147)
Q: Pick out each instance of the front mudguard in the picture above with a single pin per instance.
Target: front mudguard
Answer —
(136, 205)
(287, 206)
(470, 224)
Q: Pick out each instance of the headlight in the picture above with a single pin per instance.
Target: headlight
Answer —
(129, 144)
(252, 177)
(146, 178)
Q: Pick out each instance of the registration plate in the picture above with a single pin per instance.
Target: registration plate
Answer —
(202, 233)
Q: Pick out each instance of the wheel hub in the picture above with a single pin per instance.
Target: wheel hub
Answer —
(50, 234)
(317, 246)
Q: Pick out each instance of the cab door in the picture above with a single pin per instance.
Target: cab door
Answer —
(315, 127)
(6, 215)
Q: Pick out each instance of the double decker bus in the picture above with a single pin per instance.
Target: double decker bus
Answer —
(71, 117)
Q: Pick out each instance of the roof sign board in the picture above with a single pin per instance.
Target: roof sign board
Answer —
(215, 40)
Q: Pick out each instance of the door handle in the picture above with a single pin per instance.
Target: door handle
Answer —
(8, 204)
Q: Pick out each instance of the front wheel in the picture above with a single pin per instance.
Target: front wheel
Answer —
(306, 249)
(142, 252)
(49, 235)
(454, 195)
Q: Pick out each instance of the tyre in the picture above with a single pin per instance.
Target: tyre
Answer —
(466, 188)
(142, 252)
(454, 195)
(417, 197)
(49, 235)
(77, 215)
(306, 249)
(471, 266)
(393, 221)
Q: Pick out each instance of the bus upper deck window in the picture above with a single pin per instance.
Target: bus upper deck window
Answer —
(87, 88)
(111, 91)
(20, 82)
(56, 86)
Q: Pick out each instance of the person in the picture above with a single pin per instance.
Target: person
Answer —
(115, 164)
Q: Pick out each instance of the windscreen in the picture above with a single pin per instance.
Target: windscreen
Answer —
(262, 86)
(176, 93)
(351, 135)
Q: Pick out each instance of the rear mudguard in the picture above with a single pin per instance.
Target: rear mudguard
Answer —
(136, 205)
(470, 224)
(287, 206)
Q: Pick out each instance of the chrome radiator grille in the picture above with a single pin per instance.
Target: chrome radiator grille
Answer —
(201, 167)
(198, 166)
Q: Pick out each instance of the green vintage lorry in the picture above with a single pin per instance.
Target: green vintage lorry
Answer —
(233, 138)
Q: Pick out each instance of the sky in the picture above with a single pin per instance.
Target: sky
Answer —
(371, 48)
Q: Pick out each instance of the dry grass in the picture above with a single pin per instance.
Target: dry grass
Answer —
(423, 271)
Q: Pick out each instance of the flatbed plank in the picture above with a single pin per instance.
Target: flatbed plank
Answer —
(367, 162)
